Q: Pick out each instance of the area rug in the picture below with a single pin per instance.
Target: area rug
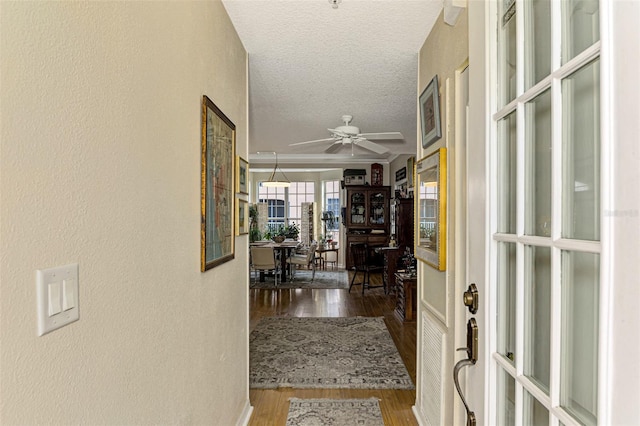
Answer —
(325, 353)
(323, 279)
(312, 412)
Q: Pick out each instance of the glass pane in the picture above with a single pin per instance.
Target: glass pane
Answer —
(506, 399)
(538, 166)
(581, 154)
(507, 299)
(537, 338)
(581, 26)
(507, 52)
(579, 349)
(537, 44)
(507, 174)
(535, 414)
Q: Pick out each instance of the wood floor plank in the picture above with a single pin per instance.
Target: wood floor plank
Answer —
(272, 405)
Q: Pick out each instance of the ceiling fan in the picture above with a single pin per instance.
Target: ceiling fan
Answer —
(350, 135)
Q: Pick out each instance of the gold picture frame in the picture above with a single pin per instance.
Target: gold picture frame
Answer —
(431, 217)
(242, 218)
(217, 200)
(242, 176)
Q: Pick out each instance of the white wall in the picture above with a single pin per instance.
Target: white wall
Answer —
(100, 165)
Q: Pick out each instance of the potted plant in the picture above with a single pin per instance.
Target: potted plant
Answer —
(290, 231)
(254, 232)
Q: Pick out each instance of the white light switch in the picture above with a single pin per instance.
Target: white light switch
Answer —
(57, 293)
(54, 298)
(69, 288)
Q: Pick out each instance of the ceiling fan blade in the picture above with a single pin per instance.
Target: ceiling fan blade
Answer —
(334, 147)
(306, 142)
(379, 149)
(379, 136)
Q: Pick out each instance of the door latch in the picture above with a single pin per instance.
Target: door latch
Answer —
(470, 298)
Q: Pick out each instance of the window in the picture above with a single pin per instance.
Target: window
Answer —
(332, 204)
(284, 204)
(275, 199)
(299, 192)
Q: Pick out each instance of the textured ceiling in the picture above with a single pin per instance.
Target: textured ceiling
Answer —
(309, 64)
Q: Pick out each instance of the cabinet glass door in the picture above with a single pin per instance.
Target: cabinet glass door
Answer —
(358, 208)
(377, 208)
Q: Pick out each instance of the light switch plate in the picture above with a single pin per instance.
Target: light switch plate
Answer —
(65, 295)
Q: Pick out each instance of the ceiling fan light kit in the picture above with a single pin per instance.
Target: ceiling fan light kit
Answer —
(334, 3)
(350, 135)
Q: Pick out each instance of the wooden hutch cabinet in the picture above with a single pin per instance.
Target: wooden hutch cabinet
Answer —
(403, 219)
(367, 217)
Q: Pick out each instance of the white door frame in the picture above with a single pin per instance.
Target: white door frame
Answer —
(460, 224)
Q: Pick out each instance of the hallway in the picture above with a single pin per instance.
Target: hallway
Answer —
(271, 405)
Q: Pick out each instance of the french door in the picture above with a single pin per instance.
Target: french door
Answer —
(544, 174)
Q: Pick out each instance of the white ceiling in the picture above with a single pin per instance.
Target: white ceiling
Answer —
(309, 64)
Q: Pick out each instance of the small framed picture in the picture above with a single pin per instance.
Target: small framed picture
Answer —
(242, 218)
(242, 175)
(430, 113)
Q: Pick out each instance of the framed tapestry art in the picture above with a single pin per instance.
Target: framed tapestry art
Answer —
(217, 242)
(431, 191)
(430, 113)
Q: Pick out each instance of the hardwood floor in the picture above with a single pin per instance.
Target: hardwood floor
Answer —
(272, 405)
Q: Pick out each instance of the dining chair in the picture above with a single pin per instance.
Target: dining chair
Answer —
(307, 259)
(363, 262)
(263, 259)
(330, 258)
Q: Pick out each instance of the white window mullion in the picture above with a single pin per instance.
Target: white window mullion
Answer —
(520, 205)
(556, 35)
(556, 327)
(520, 37)
(556, 208)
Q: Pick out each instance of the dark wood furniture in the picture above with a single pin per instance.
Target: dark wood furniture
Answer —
(367, 217)
(390, 259)
(364, 262)
(404, 225)
(406, 300)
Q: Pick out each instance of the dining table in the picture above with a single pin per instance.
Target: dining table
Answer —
(282, 250)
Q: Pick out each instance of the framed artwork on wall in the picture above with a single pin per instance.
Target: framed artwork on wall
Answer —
(430, 113)
(218, 142)
(431, 190)
(242, 218)
(242, 176)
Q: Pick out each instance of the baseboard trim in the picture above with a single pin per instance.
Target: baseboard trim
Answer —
(246, 415)
(417, 415)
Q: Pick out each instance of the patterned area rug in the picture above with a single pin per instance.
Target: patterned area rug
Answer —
(325, 353)
(311, 412)
(323, 279)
